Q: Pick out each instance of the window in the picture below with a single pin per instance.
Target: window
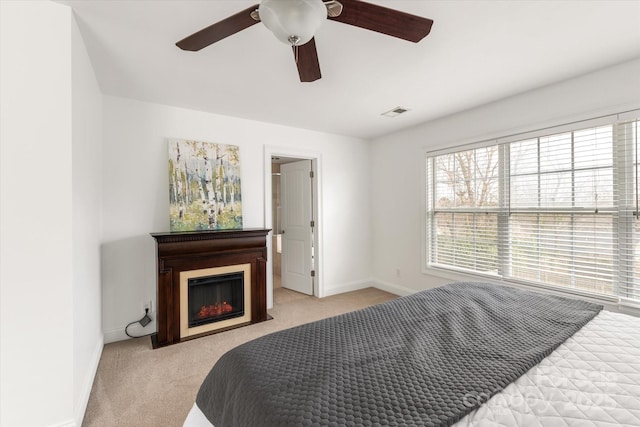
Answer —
(465, 214)
(554, 209)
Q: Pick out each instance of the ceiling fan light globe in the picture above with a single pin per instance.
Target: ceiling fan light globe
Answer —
(293, 19)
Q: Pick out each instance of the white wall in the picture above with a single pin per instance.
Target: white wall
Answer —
(135, 197)
(87, 215)
(398, 160)
(37, 275)
(50, 304)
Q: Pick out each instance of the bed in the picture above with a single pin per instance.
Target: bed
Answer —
(465, 354)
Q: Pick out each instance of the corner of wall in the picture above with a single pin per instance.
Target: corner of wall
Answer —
(86, 185)
(393, 288)
(347, 287)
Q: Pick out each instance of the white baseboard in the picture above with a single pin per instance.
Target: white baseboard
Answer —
(347, 287)
(81, 404)
(70, 423)
(393, 288)
(370, 283)
(114, 335)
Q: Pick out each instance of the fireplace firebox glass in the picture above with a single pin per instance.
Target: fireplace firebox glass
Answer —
(215, 298)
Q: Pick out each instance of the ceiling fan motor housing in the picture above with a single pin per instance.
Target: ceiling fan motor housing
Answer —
(293, 22)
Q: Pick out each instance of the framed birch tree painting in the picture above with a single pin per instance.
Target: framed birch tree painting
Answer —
(204, 186)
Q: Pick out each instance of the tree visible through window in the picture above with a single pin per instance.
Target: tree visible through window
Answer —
(466, 202)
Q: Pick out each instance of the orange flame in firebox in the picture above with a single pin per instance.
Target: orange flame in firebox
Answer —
(214, 310)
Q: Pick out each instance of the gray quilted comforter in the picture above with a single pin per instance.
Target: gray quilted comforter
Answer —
(423, 360)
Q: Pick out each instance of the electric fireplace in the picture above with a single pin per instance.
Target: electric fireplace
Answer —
(214, 298)
(209, 282)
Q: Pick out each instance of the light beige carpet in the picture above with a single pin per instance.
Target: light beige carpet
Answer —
(138, 386)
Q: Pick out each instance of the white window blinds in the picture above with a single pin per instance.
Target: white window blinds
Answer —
(627, 175)
(464, 209)
(561, 210)
(557, 209)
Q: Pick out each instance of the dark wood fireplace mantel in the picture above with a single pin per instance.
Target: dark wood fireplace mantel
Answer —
(194, 250)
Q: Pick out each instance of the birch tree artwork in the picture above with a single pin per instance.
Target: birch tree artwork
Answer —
(204, 186)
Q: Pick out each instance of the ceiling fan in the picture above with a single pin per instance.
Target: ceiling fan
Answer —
(295, 22)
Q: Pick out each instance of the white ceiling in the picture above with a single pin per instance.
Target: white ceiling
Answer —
(477, 52)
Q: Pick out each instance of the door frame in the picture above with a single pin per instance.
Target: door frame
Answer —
(316, 165)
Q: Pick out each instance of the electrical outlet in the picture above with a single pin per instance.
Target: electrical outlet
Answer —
(147, 307)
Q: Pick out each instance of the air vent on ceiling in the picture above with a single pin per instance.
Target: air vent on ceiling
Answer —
(395, 112)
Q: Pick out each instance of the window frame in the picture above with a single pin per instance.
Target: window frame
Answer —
(503, 210)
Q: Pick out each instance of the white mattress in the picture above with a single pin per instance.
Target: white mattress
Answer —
(592, 379)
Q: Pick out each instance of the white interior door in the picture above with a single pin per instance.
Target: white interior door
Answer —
(296, 208)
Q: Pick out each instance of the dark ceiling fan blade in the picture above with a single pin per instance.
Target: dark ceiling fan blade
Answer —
(219, 30)
(384, 20)
(307, 61)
